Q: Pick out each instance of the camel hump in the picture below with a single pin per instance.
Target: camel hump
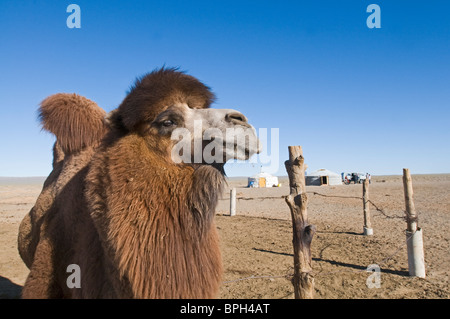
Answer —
(76, 121)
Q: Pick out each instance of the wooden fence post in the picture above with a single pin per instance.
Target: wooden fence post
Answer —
(414, 235)
(233, 202)
(303, 233)
(368, 231)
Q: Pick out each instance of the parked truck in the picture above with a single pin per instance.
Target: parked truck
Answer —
(356, 178)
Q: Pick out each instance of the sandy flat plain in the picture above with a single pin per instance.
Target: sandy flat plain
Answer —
(257, 242)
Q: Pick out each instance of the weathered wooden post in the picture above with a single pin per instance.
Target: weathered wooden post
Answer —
(414, 235)
(303, 233)
(233, 202)
(368, 231)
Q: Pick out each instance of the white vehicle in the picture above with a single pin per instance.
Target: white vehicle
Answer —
(356, 178)
(361, 177)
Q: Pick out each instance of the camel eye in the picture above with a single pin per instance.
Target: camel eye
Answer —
(168, 123)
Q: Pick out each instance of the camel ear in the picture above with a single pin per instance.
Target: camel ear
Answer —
(76, 121)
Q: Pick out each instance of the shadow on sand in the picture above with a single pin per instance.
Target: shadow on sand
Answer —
(341, 264)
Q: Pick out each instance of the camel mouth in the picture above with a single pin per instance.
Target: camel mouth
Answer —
(239, 152)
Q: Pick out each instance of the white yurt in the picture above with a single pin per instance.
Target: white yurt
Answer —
(323, 177)
(263, 180)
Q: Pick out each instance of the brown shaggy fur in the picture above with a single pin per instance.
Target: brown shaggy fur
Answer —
(138, 225)
(154, 92)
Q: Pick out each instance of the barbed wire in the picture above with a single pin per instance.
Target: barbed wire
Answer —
(377, 208)
(262, 198)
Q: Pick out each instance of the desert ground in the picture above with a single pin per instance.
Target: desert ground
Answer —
(257, 242)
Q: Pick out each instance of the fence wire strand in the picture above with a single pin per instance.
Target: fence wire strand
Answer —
(378, 209)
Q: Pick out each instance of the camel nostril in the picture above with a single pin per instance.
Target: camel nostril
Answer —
(236, 117)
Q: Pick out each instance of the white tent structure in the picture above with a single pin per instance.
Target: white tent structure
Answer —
(323, 177)
(262, 180)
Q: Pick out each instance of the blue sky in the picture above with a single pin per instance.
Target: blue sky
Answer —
(356, 99)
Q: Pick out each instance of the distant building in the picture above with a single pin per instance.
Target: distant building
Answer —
(263, 180)
(323, 177)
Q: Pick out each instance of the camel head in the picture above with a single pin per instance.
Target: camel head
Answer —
(206, 136)
(171, 111)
